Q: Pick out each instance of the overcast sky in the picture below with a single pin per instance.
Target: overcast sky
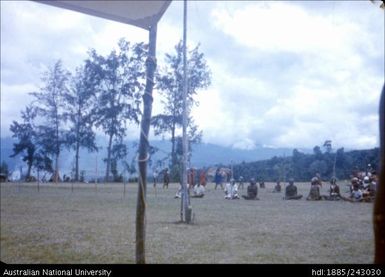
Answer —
(284, 74)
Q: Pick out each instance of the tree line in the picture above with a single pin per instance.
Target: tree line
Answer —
(104, 94)
(302, 167)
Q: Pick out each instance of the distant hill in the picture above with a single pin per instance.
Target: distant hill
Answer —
(204, 154)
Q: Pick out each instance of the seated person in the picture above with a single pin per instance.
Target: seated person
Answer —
(231, 190)
(369, 190)
(277, 187)
(334, 191)
(372, 188)
(314, 193)
(252, 191)
(354, 182)
(291, 191)
(356, 194)
(199, 191)
(262, 184)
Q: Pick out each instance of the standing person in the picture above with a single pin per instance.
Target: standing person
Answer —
(218, 178)
(202, 177)
(291, 192)
(241, 182)
(155, 176)
(252, 191)
(191, 177)
(166, 178)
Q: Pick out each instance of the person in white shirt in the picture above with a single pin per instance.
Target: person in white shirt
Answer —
(231, 190)
(356, 194)
(199, 191)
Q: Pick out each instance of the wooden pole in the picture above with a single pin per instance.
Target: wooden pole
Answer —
(143, 149)
(186, 209)
(96, 171)
(38, 180)
(379, 207)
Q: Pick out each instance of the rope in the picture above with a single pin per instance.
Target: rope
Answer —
(144, 135)
(145, 159)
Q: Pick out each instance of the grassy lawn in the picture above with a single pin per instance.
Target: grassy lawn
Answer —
(96, 224)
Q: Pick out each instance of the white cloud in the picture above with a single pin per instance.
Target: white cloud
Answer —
(330, 85)
(284, 73)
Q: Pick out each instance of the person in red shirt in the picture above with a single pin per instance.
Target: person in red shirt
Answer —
(202, 177)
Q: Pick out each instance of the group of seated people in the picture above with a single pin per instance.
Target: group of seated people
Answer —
(363, 190)
(198, 191)
(360, 190)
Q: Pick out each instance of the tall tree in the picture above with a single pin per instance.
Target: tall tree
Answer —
(25, 133)
(50, 105)
(81, 99)
(170, 85)
(119, 81)
(328, 146)
(118, 152)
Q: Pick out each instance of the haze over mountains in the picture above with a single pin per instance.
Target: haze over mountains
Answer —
(204, 154)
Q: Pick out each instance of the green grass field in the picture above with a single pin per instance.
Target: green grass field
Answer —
(96, 224)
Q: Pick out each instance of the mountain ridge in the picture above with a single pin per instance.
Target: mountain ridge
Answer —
(203, 155)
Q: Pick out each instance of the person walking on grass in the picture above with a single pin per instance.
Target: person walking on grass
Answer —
(218, 178)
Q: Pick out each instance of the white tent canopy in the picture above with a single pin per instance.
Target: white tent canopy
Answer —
(143, 14)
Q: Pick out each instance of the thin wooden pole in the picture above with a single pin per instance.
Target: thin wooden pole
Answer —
(143, 149)
(38, 180)
(379, 207)
(185, 208)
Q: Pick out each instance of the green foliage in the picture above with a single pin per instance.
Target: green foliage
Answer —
(170, 85)
(302, 167)
(50, 104)
(119, 81)
(4, 168)
(81, 101)
(28, 143)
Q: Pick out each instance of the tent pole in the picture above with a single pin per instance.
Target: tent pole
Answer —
(186, 210)
(143, 148)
